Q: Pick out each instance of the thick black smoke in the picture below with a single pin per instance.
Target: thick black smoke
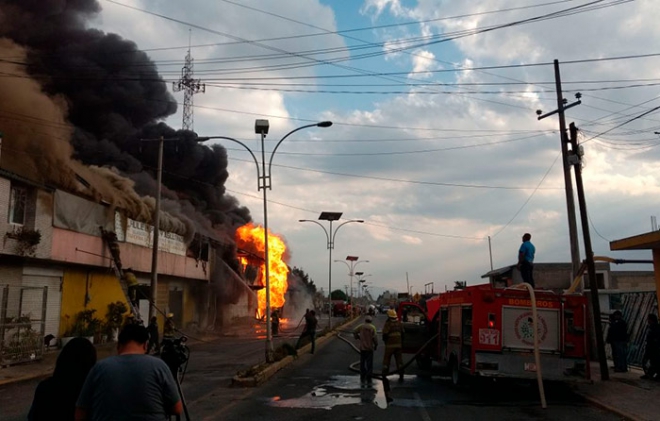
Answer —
(116, 97)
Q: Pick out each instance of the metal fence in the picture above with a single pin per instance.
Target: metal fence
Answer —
(635, 306)
(22, 324)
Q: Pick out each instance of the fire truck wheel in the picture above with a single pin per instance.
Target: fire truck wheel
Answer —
(456, 376)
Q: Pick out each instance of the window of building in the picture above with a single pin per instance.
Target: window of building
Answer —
(17, 205)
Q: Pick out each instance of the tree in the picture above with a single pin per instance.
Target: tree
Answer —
(338, 295)
(306, 280)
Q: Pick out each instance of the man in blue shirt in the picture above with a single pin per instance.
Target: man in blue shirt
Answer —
(129, 386)
(526, 259)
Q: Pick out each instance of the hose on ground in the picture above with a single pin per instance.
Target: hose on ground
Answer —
(399, 370)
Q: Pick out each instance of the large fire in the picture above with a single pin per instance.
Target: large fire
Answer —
(251, 238)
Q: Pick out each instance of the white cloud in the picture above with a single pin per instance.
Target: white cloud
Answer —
(423, 61)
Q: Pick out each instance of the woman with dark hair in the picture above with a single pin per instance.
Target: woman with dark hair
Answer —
(55, 397)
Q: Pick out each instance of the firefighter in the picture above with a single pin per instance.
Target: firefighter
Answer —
(393, 339)
(113, 245)
(366, 333)
(133, 285)
(275, 322)
(169, 329)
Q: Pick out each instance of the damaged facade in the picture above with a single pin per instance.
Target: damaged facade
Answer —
(52, 239)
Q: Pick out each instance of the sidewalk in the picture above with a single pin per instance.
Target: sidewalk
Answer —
(625, 394)
(44, 367)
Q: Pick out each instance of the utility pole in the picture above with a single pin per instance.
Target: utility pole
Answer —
(190, 87)
(490, 253)
(407, 286)
(156, 231)
(575, 159)
(570, 202)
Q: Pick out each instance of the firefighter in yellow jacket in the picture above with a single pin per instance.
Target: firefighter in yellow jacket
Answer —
(393, 339)
(132, 286)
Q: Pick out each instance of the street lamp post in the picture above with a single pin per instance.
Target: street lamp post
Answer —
(351, 268)
(330, 236)
(264, 183)
(361, 280)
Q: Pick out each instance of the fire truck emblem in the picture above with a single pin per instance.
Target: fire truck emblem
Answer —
(524, 330)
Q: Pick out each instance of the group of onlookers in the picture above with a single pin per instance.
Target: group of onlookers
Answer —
(130, 385)
(617, 337)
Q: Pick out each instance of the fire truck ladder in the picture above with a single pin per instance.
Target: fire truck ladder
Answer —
(110, 240)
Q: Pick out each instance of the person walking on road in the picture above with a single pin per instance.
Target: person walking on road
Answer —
(275, 322)
(526, 259)
(617, 337)
(366, 333)
(131, 385)
(55, 397)
(393, 339)
(652, 351)
(309, 330)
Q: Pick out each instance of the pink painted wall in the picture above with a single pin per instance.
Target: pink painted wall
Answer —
(75, 247)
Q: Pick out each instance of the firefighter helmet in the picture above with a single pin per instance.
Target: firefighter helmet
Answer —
(391, 313)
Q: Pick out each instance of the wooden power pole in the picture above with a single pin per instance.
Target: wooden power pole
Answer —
(575, 159)
(570, 201)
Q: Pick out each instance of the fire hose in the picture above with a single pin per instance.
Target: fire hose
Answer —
(400, 371)
(537, 353)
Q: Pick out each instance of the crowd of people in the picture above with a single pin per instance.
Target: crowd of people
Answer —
(129, 385)
(618, 338)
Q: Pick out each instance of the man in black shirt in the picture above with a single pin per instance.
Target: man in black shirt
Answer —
(617, 337)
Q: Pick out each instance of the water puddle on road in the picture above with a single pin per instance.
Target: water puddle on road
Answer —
(347, 390)
(340, 390)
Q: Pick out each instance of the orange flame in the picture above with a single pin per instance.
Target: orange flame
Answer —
(251, 237)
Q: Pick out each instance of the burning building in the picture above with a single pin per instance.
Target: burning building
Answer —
(75, 103)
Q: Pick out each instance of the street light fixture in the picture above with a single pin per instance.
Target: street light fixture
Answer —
(361, 281)
(351, 271)
(264, 182)
(330, 236)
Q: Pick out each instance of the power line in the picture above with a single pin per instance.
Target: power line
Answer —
(398, 180)
(528, 198)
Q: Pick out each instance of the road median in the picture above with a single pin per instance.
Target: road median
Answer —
(260, 373)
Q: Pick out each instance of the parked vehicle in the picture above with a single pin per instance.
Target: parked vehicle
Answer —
(488, 332)
(340, 308)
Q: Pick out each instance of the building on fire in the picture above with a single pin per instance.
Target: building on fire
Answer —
(55, 264)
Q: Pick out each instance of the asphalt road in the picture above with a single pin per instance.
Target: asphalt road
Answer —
(321, 387)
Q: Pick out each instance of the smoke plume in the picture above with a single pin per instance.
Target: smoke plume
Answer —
(102, 96)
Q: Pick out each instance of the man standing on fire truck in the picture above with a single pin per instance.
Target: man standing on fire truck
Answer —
(526, 259)
(393, 338)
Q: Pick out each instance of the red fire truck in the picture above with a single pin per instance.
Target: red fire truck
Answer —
(487, 331)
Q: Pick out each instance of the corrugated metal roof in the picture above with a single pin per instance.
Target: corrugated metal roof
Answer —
(13, 176)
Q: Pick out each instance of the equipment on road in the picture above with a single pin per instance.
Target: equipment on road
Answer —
(484, 331)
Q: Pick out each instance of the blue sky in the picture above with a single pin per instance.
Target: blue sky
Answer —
(433, 170)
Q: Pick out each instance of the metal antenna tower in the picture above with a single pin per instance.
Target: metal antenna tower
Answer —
(190, 87)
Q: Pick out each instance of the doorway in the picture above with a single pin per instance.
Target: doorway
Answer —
(175, 304)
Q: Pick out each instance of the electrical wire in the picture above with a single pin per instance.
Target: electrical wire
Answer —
(528, 198)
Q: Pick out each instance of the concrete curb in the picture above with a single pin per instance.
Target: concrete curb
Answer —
(610, 408)
(27, 377)
(271, 369)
